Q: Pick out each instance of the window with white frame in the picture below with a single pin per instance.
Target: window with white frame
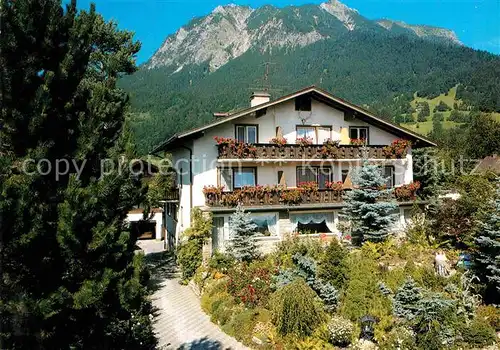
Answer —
(267, 223)
(236, 178)
(359, 132)
(246, 133)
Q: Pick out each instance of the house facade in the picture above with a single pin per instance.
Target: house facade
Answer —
(267, 157)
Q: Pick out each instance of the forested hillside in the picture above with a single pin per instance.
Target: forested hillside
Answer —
(368, 67)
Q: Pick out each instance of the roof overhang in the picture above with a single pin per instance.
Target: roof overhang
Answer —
(317, 93)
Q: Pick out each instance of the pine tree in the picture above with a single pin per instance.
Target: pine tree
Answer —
(488, 247)
(70, 277)
(370, 213)
(243, 246)
(406, 299)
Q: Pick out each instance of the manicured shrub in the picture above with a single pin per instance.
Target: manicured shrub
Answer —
(295, 309)
(341, 331)
(478, 333)
(406, 299)
(241, 325)
(332, 266)
(489, 314)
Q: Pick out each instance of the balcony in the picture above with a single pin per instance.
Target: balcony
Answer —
(275, 195)
(294, 151)
(272, 198)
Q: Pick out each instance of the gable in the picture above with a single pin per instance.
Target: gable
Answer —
(283, 111)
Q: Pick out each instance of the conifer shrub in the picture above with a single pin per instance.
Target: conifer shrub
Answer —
(478, 333)
(243, 246)
(489, 314)
(221, 262)
(332, 266)
(295, 309)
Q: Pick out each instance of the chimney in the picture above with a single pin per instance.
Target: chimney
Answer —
(259, 98)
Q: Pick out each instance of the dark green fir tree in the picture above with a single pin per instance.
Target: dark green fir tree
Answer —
(488, 250)
(70, 278)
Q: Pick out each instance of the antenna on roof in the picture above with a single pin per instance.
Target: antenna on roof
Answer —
(265, 82)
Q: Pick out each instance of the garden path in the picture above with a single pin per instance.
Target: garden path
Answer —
(180, 323)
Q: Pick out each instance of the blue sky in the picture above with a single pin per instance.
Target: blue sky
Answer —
(476, 22)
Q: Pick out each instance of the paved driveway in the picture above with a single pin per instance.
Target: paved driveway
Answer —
(180, 323)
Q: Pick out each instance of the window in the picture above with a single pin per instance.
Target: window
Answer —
(314, 174)
(246, 133)
(358, 132)
(307, 131)
(318, 134)
(244, 177)
(235, 178)
(388, 173)
(303, 103)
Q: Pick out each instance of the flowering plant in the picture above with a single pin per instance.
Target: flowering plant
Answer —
(224, 140)
(398, 149)
(292, 196)
(250, 284)
(341, 331)
(407, 192)
(212, 193)
(358, 142)
(280, 141)
(309, 186)
(337, 186)
(231, 147)
(304, 141)
(330, 148)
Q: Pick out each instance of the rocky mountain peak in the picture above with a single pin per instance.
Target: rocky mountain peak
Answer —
(342, 12)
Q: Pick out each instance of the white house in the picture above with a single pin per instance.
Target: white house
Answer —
(263, 175)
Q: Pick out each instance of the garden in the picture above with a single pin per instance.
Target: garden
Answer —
(436, 286)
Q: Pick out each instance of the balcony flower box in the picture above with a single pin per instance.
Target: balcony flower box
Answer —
(228, 146)
(278, 141)
(407, 192)
(213, 193)
(304, 141)
(330, 149)
(397, 149)
(358, 142)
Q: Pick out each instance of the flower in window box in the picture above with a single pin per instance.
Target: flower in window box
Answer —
(330, 148)
(358, 142)
(304, 141)
(308, 186)
(291, 196)
(224, 140)
(397, 149)
(279, 141)
(407, 192)
(212, 193)
(336, 186)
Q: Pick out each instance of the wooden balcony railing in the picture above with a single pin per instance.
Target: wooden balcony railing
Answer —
(172, 194)
(284, 197)
(293, 151)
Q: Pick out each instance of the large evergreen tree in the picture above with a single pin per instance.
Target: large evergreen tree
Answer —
(488, 248)
(243, 246)
(70, 278)
(367, 205)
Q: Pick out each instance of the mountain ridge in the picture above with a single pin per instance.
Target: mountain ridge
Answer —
(231, 30)
(213, 63)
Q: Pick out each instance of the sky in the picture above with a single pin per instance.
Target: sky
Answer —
(476, 22)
